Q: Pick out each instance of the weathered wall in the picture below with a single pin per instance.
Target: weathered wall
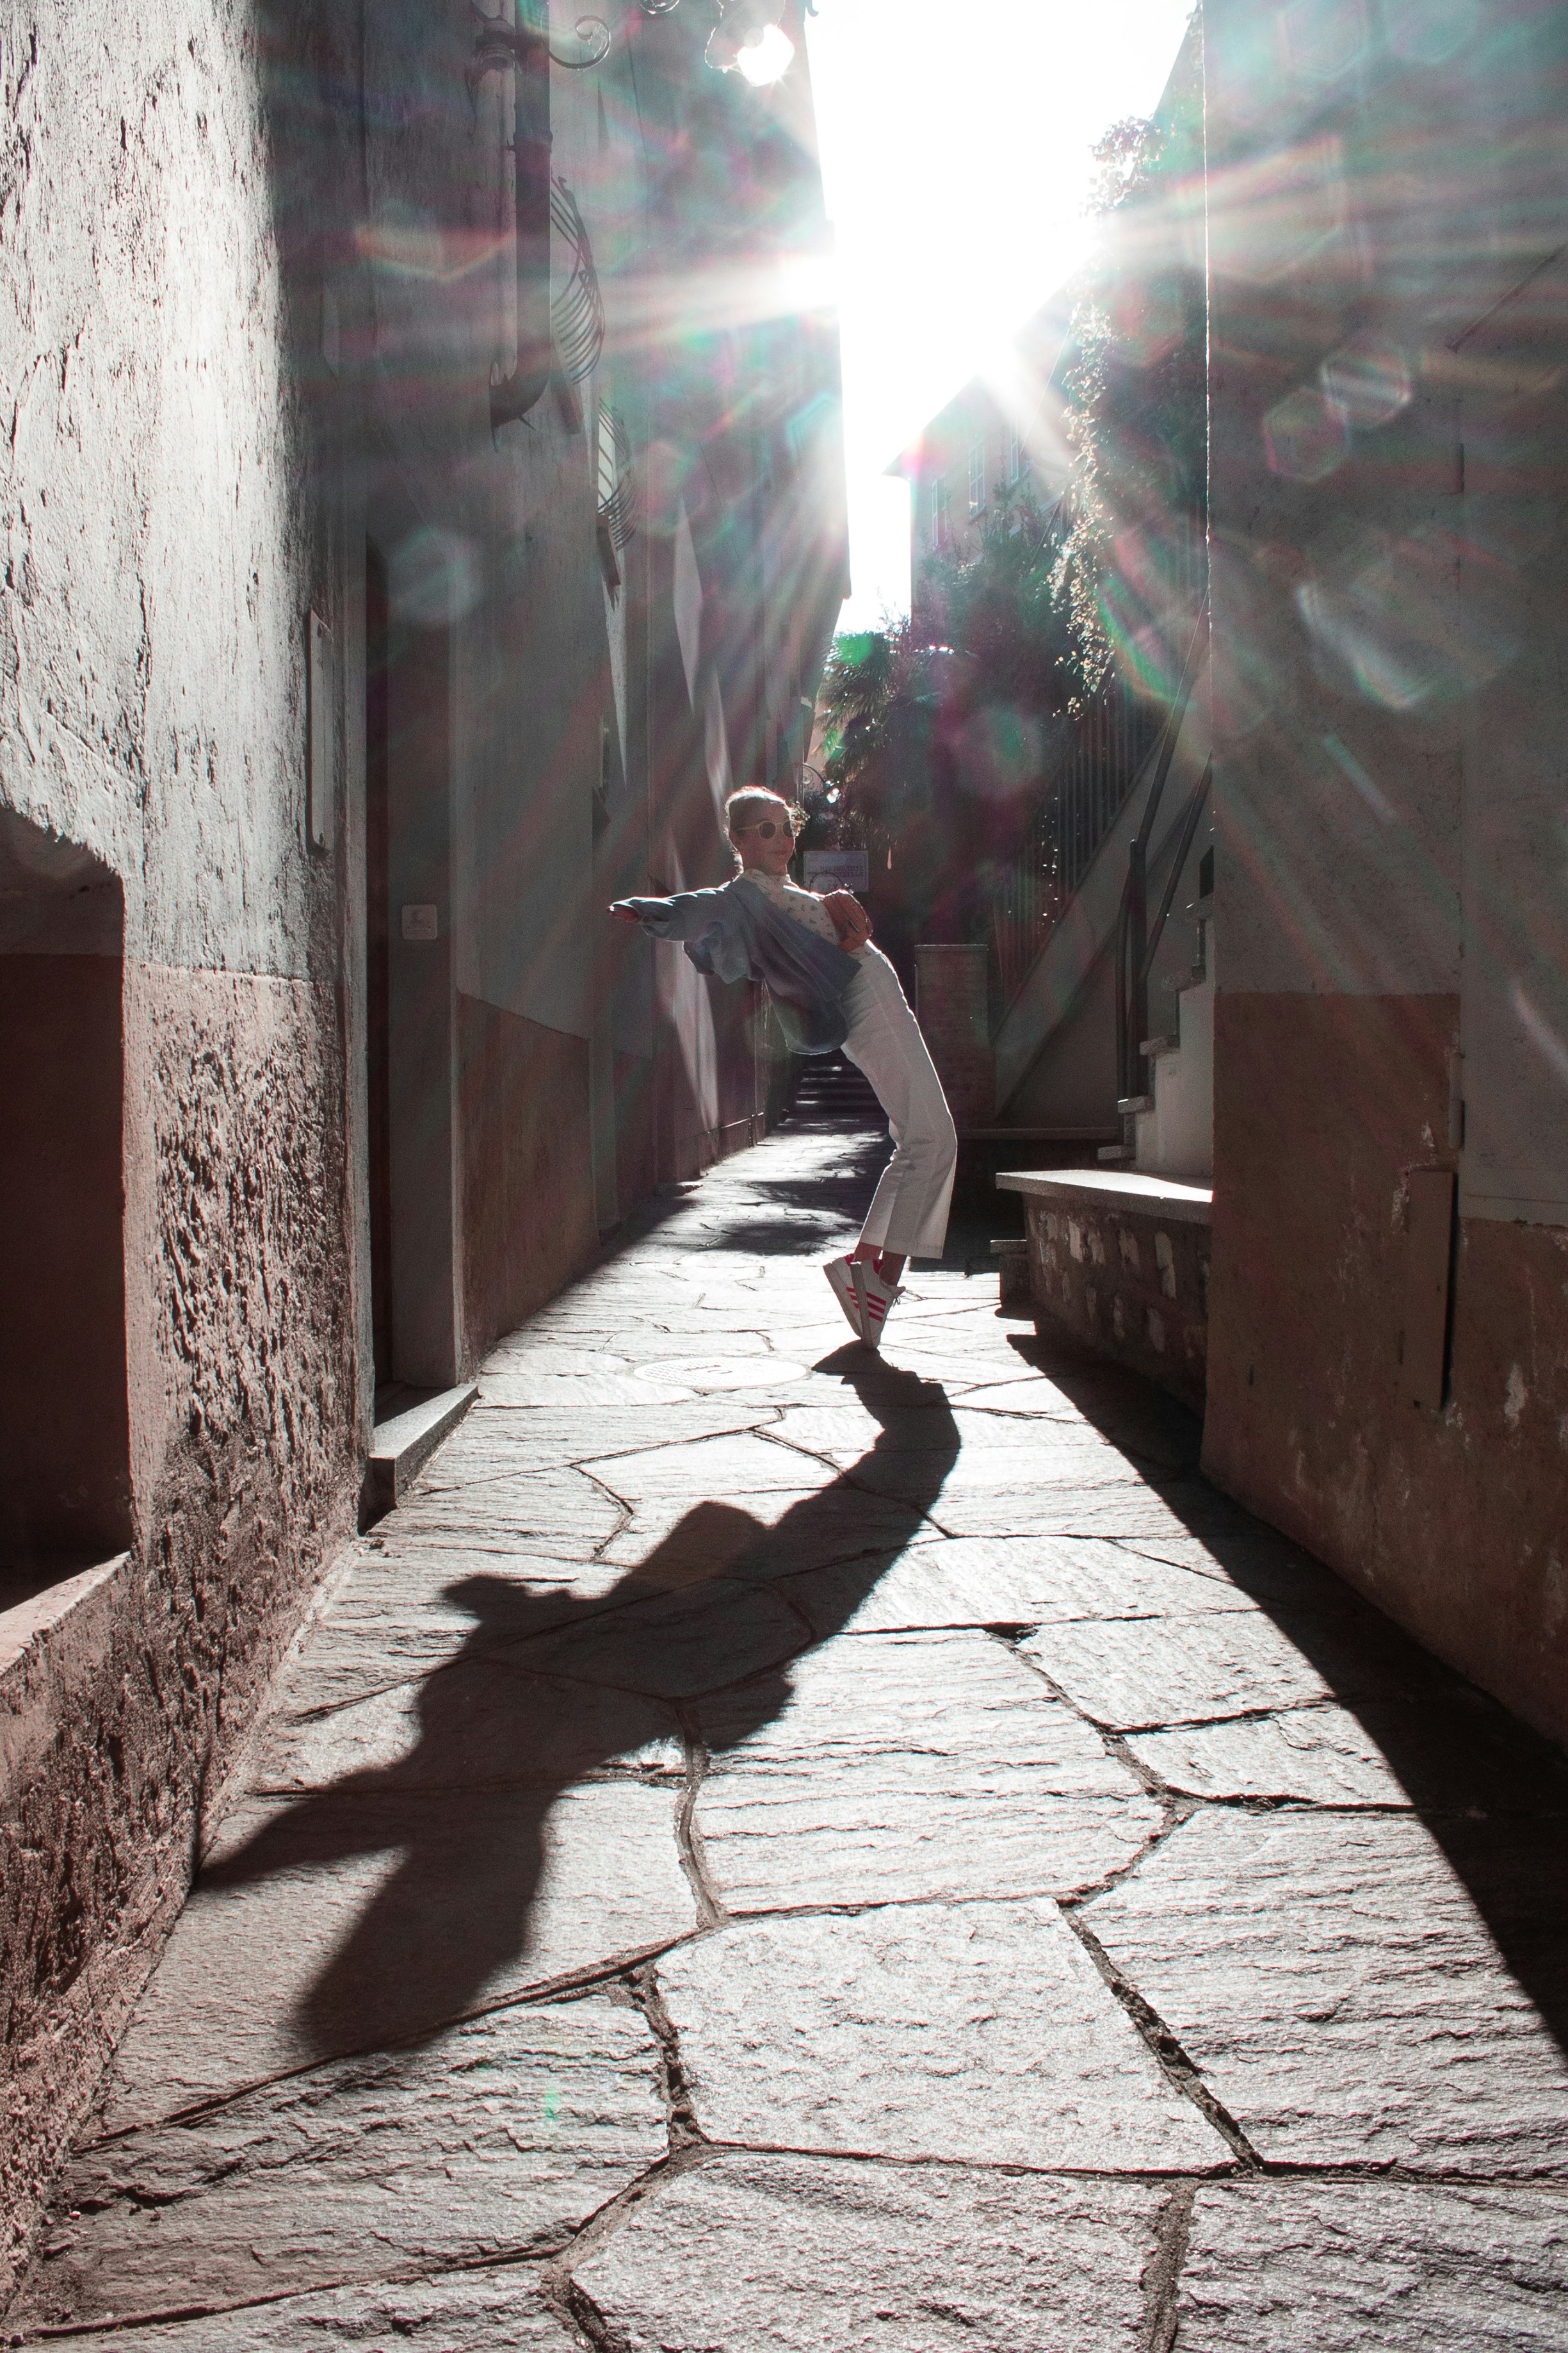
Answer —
(1451, 1516)
(952, 992)
(162, 555)
(528, 1206)
(1391, 717)
(248, 341)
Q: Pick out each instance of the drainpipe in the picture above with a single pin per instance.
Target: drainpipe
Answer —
(524, 356)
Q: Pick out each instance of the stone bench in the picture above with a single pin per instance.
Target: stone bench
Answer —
(1121, 1261)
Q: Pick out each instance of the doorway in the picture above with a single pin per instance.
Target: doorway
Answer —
(378, 950)
(65, 1463)
(410, 1007)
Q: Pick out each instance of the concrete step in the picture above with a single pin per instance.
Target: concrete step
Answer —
(410, 1425)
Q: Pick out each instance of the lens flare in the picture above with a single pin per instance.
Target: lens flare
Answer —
(435, 577)
(1321, 43)
(1395, 625)
(1367, 380)
(1429, 32)
(1306, 437)
(767, 59)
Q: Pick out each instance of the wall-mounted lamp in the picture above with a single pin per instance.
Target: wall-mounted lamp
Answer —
(748, 38)
(508, 81)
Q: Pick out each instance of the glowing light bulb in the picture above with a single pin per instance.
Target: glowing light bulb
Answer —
(768, 57)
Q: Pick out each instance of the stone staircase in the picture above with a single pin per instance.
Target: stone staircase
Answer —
(831, 1090)
(1170, 1130)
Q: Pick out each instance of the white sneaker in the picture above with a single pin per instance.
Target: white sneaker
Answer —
(840, 1273)
(878, 1299)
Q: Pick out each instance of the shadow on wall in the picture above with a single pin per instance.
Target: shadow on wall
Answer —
(547, 1690)
(1492, 1793)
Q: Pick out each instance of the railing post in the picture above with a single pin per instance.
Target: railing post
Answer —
(1137, 983)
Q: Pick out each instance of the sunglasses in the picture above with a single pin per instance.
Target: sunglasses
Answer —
(769, 826)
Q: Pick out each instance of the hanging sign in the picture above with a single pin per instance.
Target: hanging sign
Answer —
(835, 869)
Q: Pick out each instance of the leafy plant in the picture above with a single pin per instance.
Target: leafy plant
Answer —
(1130, 558)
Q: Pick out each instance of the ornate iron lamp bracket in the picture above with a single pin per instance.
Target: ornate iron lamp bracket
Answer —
(500, 45)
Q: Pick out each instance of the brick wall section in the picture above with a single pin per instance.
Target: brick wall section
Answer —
(953, 1005)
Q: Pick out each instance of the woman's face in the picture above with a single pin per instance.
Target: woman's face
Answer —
(773, 854)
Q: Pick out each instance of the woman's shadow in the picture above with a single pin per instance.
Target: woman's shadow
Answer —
(548, 1693)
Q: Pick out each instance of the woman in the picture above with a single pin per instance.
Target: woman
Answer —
(832, 987)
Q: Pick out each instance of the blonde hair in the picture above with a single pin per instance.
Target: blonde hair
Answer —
(753, 802)
(744, 806)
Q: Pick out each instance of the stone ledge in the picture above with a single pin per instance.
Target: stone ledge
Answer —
(32, 1628)
(1115, 1189)
(402, 1444)
(1121, 1260)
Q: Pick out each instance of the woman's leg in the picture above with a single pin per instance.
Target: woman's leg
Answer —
(908, 1218)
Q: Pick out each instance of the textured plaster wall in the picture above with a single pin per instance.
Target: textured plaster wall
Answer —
(528, 1207)
(1451, 1518)
(156, 546)
(117, 1729)
(162, 547)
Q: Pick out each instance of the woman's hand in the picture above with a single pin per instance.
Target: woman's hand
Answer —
(851, 921)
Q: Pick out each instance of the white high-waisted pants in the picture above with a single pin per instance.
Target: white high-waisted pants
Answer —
(909, 1212)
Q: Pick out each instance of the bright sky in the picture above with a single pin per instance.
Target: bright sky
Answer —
(955, 138)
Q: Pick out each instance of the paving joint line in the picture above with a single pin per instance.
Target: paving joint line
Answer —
(1111, 1737)
(1175, 1812)
(710, 1912)
(1179, 2070)
(1116, 1738)
(675, 2087)
(399, 2275)
(545, 1993)
(562, 2293)
(1161, 2276)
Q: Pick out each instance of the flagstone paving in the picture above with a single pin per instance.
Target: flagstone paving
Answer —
(771, 1848)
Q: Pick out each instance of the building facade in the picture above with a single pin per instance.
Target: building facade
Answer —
(423, 497)
(1360, 1067)
(1388, 1347)
(1002, 434)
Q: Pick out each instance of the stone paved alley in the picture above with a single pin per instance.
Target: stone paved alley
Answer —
(768, 1847)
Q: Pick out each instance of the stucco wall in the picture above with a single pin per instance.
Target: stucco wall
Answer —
(1391, 713)
(248, 346)
(162, 551)
(1453, 1516)
(528, 1210)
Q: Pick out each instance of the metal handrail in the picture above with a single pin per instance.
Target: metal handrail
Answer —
(1101, 770)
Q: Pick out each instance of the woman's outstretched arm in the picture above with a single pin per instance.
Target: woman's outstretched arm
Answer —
(684, 916)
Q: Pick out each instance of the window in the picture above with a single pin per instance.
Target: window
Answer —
(977, 477)
(939, 512)
(1017, 457)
